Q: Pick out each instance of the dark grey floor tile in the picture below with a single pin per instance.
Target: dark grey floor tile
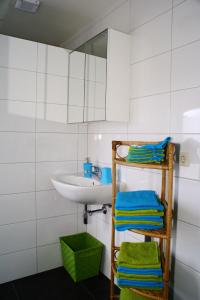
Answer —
(7, 292)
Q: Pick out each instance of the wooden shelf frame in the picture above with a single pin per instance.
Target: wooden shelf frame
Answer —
(164, 235)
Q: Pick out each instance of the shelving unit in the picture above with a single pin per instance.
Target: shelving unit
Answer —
(164, 235)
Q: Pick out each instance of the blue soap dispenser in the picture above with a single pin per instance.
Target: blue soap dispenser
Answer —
(87, 168)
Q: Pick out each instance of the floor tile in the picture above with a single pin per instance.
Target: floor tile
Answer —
(7, 292)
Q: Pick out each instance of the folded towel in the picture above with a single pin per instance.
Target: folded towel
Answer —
(143, 212)
(151, 272)
(140, 283)
(160, 145)
(139, 255)
(137, 226)
(143, 278)
(145, 222)
(137, 200)
(140, 218)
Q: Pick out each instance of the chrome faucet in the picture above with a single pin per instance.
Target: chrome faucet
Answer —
(97, 172)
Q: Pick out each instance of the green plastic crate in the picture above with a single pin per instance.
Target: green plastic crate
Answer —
(81, 255)
(126, 294)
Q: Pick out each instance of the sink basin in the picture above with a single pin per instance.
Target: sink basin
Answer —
(82, 190)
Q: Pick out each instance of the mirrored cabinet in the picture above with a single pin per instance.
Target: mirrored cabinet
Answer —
(98, 87)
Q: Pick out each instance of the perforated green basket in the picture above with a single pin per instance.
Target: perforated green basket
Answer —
(81, 255)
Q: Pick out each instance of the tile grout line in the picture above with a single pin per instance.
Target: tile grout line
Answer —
(36, 227)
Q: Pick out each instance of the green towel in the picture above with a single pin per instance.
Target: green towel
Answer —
(144, 212)
(139, 277)
(126, 294)
(139, 255)
(121, 222)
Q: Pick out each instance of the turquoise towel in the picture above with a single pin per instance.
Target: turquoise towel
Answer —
(154, 272)
(141, 218)
(160, 145)
(137, 226)
(138, 200)
(139, 283)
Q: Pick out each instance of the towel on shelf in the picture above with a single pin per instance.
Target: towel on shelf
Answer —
(140, 284)
(126, 294)
(139, 218)
(148, 153)
(138, 200)
(137, 227)
(141, 212)
(140, 272)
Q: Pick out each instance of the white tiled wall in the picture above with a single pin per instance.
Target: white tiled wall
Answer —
(164, 100)
(35, 144)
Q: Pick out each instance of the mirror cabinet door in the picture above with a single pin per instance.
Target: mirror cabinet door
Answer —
(76, 87)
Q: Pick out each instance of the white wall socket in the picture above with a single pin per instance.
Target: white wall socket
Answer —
(184, 159)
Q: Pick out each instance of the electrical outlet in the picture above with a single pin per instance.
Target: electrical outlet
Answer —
(184, 159)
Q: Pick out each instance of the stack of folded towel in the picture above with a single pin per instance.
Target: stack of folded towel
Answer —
(139, 266)
(149, 153)
(138, 210)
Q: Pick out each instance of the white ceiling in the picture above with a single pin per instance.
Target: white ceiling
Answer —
(55, 21)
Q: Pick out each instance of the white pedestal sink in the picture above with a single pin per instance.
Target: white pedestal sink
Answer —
(82, 190)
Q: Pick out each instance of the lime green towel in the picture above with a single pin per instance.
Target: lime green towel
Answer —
(139, 277)
(126, 294)
(139, 255)
(144, 212)
(138, 222)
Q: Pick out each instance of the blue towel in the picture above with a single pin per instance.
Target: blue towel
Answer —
(137, 226)
(137, 200)
(139, 283)
(154, 272)
(154, 147)
(141, 218)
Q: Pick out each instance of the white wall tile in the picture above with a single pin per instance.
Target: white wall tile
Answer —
(17, 208)
(52, 60)
(145, 118)
(50, 204)
(17, 53)
(186, 23)
(16, 178)
(12, 83)
(76, 92)
(143, 11)
(17, 116)
(49, 230)
(186, 111)
(51, 89)
(187, 193)
(151, 76)
(19, 236)
(189, 143)
(186, 67)
(77, 65)
(53, 118)
(49, 257)
(17, 147)
(107, 127)
(81, 227)
(45, 170)
(82, 146)
(56, 147)
(17, 265)
(152, 38)
(187, 245)
(187, 283)
(75, 114)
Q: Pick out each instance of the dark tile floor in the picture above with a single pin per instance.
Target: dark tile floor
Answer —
(55, 284)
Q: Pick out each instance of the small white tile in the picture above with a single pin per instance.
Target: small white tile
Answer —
(90, 66)
(51, 204)
(82, 128)
(187, 245)
(76, 92)
(77, 64)
(89, 93)
(45, 170)
(12, 83)
(82, 146)
(52, 89)
(17, 147)
(49, 257)
(53, 118)
(19, 236)
(17, 116)
(187, 283)
(52, 60)
(17, 208)
(188, 143)
(17, 265)
(177, 2)
(151, 76)
(186, 67)
(99, 114)
(18, 53)
(186, 114)
(145, 118)
(81, 227)
(49, 230)
(100, 95)
(103, 232)
(75, 114)
(92, 224)
(16, 178)
(143, 11)
(56, 147)
(107, 127)
(152, 38)
(188, 211)
(186, 23)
